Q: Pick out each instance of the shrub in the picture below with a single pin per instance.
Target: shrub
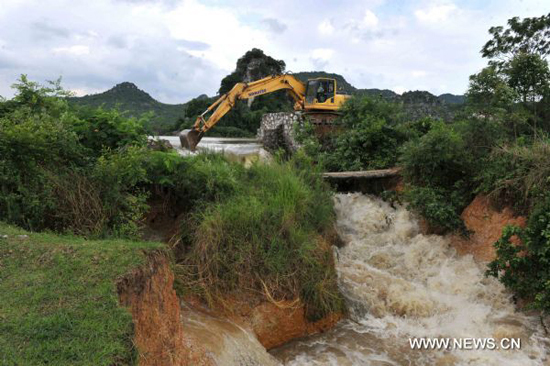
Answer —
(439, 167)
(100, 129)
(370, 144)
(440, 207)
(518, 174)
(522, 265)
(368, 137)
(439, 158)
(32, 146)
(55, 173)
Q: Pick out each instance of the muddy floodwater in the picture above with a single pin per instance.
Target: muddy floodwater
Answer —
(399, 285)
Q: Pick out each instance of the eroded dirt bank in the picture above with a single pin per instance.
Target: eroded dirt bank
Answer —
(275, 323)
(158, 332)
(170, 332)
(485, 222)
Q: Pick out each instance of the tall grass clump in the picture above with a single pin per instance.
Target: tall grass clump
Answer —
(518, 174)
(268, 238)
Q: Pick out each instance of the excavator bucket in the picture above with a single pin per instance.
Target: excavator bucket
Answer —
(190, 139)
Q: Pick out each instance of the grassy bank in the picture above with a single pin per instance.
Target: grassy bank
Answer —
(267, 237)
(59, 304)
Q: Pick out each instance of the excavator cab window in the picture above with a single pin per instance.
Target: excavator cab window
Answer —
(320, 90)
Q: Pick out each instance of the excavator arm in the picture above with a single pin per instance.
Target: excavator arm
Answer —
(207, 120)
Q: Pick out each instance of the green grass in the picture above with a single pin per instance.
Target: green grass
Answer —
(58, 302)
(270, 236)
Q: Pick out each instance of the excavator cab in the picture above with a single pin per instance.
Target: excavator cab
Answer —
(319, 91)
(321, 95)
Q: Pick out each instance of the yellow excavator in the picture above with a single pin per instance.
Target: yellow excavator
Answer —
(318, 97)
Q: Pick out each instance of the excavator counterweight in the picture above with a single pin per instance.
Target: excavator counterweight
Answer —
(317, 95)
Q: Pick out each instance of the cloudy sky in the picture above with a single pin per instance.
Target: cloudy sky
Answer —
(178, 49)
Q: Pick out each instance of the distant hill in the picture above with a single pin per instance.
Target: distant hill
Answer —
(128, 97)
(452, 99)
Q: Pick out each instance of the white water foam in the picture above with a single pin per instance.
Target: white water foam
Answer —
(401, 284)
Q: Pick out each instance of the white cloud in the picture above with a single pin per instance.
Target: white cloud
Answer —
(178, 49)
(436, 12)
(218, 27)
(324, 54)
(320, 57)
(418, 73)
(370, 20)
(76, 50)
(326, 28)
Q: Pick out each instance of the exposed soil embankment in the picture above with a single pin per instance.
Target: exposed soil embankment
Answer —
(485, 222)
(158, 333)
(161, 338)
(275, 324)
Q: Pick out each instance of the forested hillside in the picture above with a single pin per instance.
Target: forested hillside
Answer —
(128, 97)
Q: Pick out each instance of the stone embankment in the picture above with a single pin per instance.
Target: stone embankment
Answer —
(277, 130)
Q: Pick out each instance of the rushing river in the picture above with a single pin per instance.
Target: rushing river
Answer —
(401, 284)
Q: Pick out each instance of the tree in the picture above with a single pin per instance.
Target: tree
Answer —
(528, 74)
(530, 35)
(488, 90)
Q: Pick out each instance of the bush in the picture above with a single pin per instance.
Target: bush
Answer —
(66, 170)
(440, 207)
(440, 168)
(522, 265)
(518, 174)
(31, 148)
(100, 129)
(268, 236)
(439, 158)
(368, 137)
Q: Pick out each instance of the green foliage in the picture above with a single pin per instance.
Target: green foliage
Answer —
(440, 207)
(440, 167)
(266, 236)
(518, 174)
(100, 129)
(63, 307)
(66, 170)
(524, 266)
(439, 158)
(529, 35)
(529, 75)
(368, 138)
(488, 90)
